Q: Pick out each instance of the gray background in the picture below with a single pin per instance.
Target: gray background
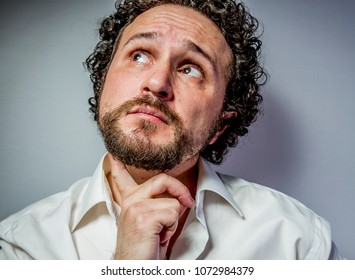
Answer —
(302, 145)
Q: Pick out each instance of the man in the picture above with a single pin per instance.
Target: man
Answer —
(176, 83)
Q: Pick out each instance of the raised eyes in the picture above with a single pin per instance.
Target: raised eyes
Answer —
(188, 69)
(140, 57)
(193, 71)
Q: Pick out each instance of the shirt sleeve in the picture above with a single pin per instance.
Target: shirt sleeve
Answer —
(322, 247)
(334, 253)
(9, 251)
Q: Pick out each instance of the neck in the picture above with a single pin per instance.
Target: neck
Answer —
(186, 172)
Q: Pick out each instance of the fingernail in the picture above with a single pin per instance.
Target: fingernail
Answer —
(192, 202)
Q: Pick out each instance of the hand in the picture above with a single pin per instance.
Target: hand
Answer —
(150, 213)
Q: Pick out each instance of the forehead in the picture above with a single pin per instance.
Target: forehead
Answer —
(179, 24)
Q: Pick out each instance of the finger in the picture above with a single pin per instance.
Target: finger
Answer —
(182, 208)
(167, 223)
(132, 209)
(163, 183)
(151, 223)
(120, 174)
(167, 233)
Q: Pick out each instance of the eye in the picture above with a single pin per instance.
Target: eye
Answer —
(140, 57)
(192, 70)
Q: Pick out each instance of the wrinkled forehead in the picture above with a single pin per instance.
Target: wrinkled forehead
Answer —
(181, 24)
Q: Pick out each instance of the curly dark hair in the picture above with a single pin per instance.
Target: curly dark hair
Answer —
(245, 75)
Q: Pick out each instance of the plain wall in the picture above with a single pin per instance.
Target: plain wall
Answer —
(302, 145)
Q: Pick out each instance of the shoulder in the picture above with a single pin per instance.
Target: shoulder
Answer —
(49, 205)
(282, 214)
(262, 198)
(34, 228)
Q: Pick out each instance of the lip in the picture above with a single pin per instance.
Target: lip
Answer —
(148, 111)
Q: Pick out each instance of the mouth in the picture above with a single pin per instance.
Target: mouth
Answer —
(150, 114)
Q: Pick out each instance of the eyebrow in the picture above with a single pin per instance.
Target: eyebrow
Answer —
(195, 48)
(143, 35)
(189, 44)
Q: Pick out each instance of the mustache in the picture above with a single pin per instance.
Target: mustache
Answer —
(148, 100)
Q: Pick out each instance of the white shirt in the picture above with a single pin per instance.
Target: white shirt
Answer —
(232, 219)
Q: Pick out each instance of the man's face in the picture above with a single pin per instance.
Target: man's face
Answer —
(164, 89)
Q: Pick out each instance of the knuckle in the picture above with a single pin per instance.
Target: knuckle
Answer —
(175, 204)
(161, 178)
(142, 218)
(142, 221)
(172, 213)
(125, 205)
(135, 218)
(134, 209)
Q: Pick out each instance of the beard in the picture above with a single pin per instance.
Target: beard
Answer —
(136, 148)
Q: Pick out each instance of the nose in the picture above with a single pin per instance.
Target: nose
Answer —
(158, 82)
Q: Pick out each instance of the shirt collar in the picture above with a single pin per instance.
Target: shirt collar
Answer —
(96, 191)
(209, 180)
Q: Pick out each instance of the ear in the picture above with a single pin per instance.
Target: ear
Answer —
(225, 116)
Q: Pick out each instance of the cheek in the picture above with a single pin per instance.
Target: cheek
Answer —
(199, 108)
(118, 88)
(202, 117)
